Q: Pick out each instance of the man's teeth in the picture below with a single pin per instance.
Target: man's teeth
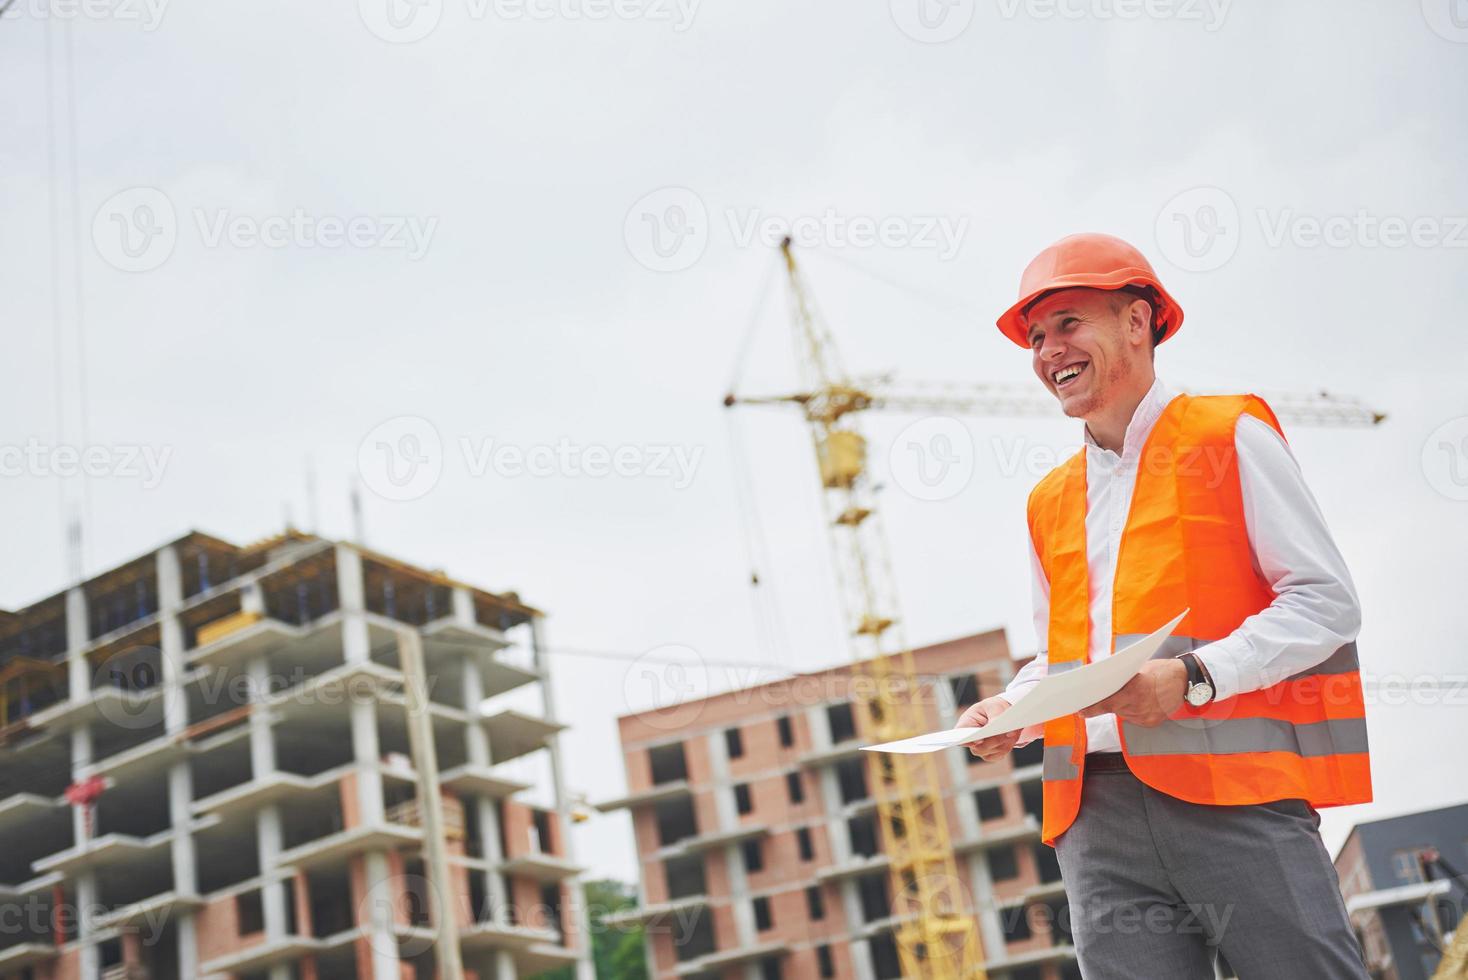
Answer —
(1066, 373)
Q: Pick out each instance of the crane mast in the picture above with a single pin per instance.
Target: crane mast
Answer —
(937, 937)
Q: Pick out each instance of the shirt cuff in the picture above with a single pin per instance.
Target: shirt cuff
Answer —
(1227, 662)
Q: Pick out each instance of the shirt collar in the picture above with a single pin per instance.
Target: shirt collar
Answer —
(1148, 410)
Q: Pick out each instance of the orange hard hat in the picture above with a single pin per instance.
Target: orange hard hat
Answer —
(1092, 260)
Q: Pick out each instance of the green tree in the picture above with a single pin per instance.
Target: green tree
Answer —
(616, 952)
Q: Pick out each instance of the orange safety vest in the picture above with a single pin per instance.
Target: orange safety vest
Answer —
(1186, 546)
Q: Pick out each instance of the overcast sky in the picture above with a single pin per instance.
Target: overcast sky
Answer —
(484, 232)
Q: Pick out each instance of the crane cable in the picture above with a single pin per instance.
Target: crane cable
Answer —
(931, 297)
(71, 526)
(769, 621)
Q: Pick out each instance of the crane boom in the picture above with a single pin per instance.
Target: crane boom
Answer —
(1320, 409)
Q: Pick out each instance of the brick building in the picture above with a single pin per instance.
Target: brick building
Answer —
(204, 772)
(758, 844)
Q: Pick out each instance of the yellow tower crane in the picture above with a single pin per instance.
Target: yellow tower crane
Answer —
(937, 938)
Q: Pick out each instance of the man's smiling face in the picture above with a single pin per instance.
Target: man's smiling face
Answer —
(1080, 347)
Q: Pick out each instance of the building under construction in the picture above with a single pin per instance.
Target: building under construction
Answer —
(205, 772)
(758, 843)
(1405, 889)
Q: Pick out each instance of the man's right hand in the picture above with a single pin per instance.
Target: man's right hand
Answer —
(977, 715)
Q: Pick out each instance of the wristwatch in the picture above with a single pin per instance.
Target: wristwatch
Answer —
(1200, 686)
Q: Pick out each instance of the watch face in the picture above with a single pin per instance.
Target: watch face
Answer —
(1200, 694)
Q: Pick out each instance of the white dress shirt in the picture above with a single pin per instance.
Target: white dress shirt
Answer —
(1314, 610)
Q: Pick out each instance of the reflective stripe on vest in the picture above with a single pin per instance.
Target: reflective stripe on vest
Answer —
(1185, 545)
(1230, 736)
(1058, 765)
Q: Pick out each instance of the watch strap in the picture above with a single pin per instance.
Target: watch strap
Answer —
(1195, 669)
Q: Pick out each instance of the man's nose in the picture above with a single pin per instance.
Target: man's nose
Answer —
(1049, 350)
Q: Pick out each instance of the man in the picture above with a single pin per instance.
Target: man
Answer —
(1182, 808)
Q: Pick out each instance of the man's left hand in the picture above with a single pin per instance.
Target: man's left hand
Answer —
(1150, 697)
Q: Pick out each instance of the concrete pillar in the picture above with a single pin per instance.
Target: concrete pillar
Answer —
(171, 643)
(356, 649)
(477, 745)
(269, 833)
(742, 909)
(180, 817)
(985, 907)
(367, 753)
(963, 801)
(946, 706)
(649, 961)
(188, 946)
(463, 606)
(176, 720)
(252, 598)
(268, 840)
(832, 808)
(79, 677)
(574, 891)
(262, 739)
(819, 724)
(78, 671)
(476, 739)
(861, 960)
(379, 925)
(352, 598)
(494, 882)
(726, 809)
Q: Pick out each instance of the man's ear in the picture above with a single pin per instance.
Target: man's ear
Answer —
(1139, 322)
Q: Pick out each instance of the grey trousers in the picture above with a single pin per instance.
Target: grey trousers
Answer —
(1157, 886)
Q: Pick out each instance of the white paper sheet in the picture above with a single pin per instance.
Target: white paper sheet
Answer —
(1055, 696)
